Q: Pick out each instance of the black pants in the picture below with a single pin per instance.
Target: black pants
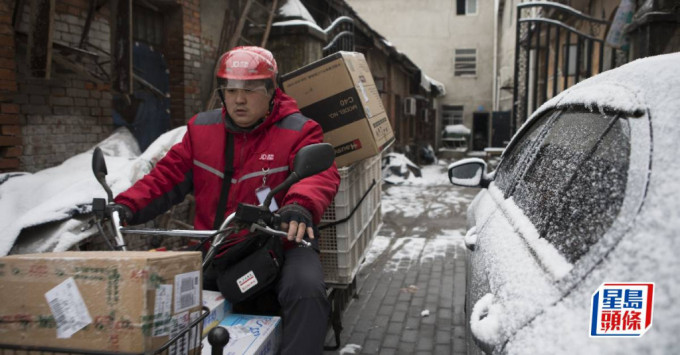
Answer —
(302, 295)
(299, 297)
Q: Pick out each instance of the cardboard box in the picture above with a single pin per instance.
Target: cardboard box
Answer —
(249, 335)
(219, 308)
(338, 91)
(107, 301)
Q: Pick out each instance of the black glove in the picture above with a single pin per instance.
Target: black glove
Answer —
(124, 212)
(296, 213)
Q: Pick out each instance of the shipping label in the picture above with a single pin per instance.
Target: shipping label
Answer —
(68, 308)
(187, 291)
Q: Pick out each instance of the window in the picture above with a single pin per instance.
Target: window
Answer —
(466, 7)
(452, 115)
(147, 26)
(380, 84)
(453, 136)
(519, 155)
(466, 62)
(571, 67)
(574, 187)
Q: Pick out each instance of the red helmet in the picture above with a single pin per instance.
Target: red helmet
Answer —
(247, 63)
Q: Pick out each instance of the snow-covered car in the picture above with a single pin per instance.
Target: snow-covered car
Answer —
(583, 209)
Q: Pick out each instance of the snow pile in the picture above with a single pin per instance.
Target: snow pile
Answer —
(350, 349)
(293, 9)
(399, 170)
(295, 14)
(59, 199)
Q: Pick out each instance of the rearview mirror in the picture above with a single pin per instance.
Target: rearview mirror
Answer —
(469, 172)
(313, 159)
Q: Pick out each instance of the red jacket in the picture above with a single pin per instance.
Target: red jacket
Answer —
(197, 164)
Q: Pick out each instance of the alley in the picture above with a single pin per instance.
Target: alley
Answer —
(415, 266)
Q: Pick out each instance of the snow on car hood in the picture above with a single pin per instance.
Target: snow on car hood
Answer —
(64, 193)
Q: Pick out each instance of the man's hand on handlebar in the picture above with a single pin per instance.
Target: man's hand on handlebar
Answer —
(124, 212)
(296, 220)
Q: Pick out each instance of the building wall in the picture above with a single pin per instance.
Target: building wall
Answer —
(10, 122)
(66, 114)
(506, 32)
(507, 20)
(185, 64)
(396, 87)
(45, 121)
(212, 20)
(429, 33)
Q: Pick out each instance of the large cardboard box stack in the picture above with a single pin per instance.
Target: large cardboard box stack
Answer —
(108, 301)
(338, 91)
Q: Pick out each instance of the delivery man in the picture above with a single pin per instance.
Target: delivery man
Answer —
(267, 131)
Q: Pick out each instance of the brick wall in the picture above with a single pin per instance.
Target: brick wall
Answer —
(44, 122)
(185, 65)
(192, 55)
(10, 123)
(65, 115)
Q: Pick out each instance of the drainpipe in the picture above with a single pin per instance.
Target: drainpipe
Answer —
(494, 97)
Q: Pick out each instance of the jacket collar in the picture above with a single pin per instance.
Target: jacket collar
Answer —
(283, 106)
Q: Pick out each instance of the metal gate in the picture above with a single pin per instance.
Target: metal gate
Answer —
(556, 47)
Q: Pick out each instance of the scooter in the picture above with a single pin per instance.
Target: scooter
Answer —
(310, 160)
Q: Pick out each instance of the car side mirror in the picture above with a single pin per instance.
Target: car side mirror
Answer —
(469, 172)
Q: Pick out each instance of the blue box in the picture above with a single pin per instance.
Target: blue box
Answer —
(249, 334)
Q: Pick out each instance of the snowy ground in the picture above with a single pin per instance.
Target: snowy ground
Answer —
(430, 197)
(418, 252)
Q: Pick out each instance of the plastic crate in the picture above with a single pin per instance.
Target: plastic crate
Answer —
(356, 181)
(340, 267)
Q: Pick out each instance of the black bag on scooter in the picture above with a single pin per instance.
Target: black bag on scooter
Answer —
(250, 267)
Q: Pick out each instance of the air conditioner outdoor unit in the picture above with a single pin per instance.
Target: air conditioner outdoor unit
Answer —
(410, 106)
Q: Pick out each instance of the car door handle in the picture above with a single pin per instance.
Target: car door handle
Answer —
(485, 322)
(471, 239)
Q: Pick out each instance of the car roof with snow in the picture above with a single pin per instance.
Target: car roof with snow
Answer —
(649, 85)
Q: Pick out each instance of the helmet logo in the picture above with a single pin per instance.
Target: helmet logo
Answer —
(239, 64)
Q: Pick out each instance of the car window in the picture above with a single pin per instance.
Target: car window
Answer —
(518, 157)
(574, 187)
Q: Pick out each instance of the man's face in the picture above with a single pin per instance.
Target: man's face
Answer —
(247, 101)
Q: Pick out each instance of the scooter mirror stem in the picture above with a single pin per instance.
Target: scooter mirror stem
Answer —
(309, 160)
(290, 180)
(100, 171)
